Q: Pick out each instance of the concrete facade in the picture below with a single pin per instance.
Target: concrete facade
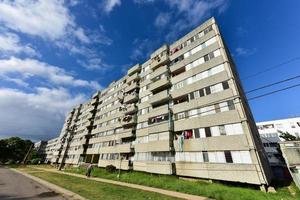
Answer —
(270, 132)
(291, 154)
(181, 112)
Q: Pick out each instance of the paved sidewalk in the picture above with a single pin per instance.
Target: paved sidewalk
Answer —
(66, 194)
(141, 187)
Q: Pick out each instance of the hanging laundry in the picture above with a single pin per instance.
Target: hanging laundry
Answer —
(180, 142)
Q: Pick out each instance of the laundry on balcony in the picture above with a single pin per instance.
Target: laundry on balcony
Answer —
(180, 141)
(187, 134)
(127, 118)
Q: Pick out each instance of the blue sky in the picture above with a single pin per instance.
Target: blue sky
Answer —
(55, 54)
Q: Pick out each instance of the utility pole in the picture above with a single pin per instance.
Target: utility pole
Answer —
(27, 154)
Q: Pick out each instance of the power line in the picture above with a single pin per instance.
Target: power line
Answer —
(234, 97)
(272, 84)
(275, 91)
(271, 68)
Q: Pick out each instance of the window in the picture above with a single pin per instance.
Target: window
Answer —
(181, 115)
(222, 130)
(228, 157)
(223, 106)
(230, 105)
(207, 90)
(220, 157)
(225, 85)
(207, 132)
(241, 157)
(193, 113)
(201, 92)
(205, 156)
(202, 133)
(192, 96)
(196, 133)
(212, 157)
(215, 131)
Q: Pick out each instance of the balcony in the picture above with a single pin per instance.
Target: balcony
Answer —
(117, 163)
(157, 128)
(160, 145)
(160, 84)
(125, 148)
(159, 57)
(159, 167)
(141, 147)
(92, 151)
(159, 111)
(131, 87)
(129, 120)
(244, 173)
(219, 143)
(160, 97)
(131, 98)
(94, 101)
(134, 69)
(159, 71)
(125, 133)
(159, 61)
(129, 109)
(133, 77)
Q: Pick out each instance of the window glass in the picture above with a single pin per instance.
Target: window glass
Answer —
(215, 131)
(246, 157)
(220, 157)
(202, 133)
(207, 132)
(212, 157)
(205, 156)
(196, 133)
(223, 106)
(228, 156)
(238, 129)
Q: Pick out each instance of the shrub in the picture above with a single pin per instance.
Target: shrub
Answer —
(10, 162)
(110, 168)
(36, 161)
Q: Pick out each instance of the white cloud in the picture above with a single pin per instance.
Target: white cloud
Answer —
(80, 34)
(47, 19)
(38, 115)
(109, 5)
(10, 44)
(142, 49)
(52, 21)
(162, 20)
(17, 81)
(192, 13)
(143, 1)
(27, 68)
(95, 63)
(240, 51)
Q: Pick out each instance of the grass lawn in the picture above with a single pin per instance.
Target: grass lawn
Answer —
(93, 189)
(213, 190)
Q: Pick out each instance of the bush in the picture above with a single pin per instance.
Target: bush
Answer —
(36, 161)
(10, 162)
(110, 168)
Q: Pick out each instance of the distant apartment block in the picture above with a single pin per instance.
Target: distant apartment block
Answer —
(291, 154)
(270, 132)
(181, 112)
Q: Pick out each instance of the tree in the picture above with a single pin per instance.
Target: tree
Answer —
(287, 136)
(13, 149)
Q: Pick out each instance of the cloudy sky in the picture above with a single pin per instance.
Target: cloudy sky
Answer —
(56, 54)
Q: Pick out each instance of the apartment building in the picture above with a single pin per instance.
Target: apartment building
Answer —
(51, 150)
(181, 112)
(270, 132)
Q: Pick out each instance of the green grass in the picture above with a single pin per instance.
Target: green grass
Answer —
(217, 191)
(92, 189)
